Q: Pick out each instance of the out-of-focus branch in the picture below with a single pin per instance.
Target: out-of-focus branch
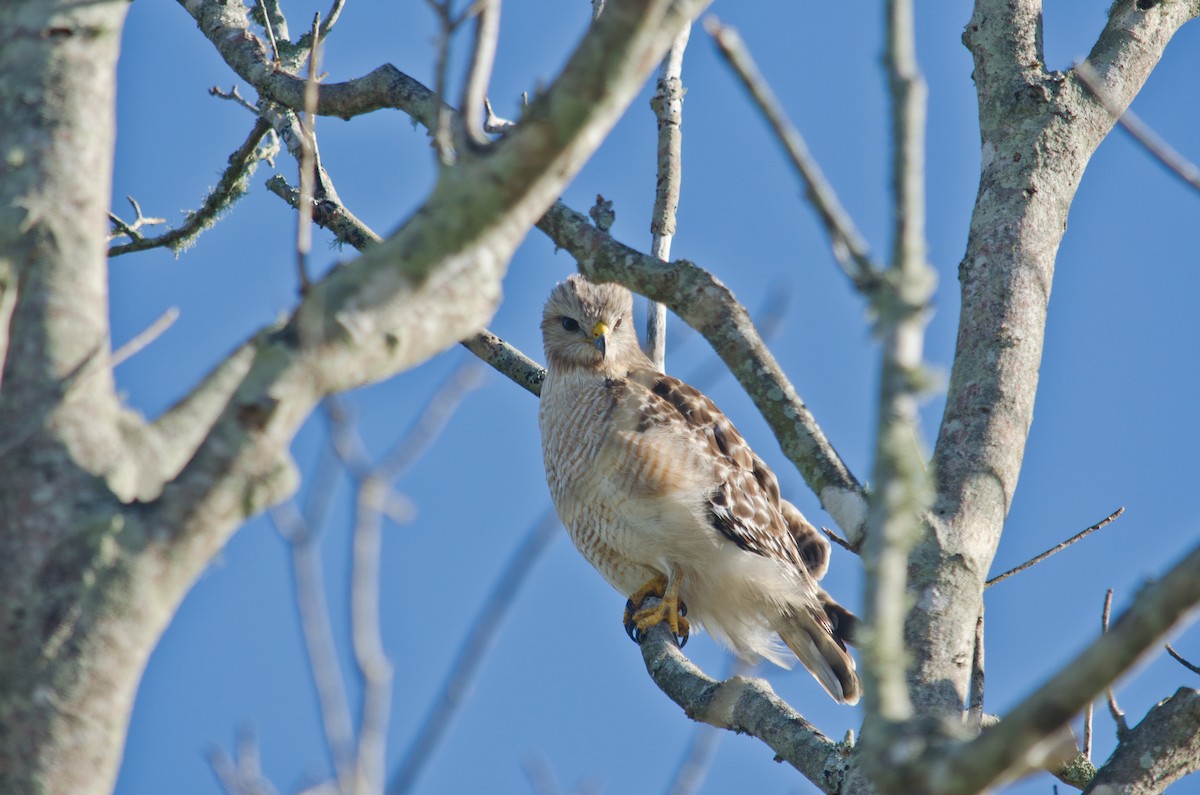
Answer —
(849, 247)
(1151, 141)
(479, 74)
(317, 628)
(502, 356)
(234, 182)
(1082, 534)
(1118, 715)
(1156, 609)
(901, 491)
(667, 103)
(473, 651)
(144, 338)
(374, 490)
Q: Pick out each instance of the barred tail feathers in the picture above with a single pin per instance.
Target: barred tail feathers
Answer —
(814, 639)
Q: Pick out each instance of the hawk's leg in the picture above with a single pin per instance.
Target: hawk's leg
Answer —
(669, 609)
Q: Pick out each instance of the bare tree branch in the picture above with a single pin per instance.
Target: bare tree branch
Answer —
(1159, 751)
(144, 338)
(308, 161)
(1179, 659)
(901, 491)
(315, 624)
(745, 706)
(849, 247)
(473, 651)
(234, 183)
(667, 103)
(1151, 141)
(1082, 534)
(1155, 610)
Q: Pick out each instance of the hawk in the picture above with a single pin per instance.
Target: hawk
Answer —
(664, 498)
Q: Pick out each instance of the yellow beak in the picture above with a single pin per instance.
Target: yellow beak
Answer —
(600, 337)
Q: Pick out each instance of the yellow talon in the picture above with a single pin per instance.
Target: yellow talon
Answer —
(669, 609)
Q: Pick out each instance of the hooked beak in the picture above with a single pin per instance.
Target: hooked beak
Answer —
(600, 337)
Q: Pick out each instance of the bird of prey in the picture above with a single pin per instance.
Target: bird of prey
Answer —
(664, 498)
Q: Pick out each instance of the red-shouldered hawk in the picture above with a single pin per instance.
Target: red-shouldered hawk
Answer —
(662, 495)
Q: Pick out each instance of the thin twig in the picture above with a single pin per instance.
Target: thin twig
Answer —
(317, 629)
(331, 17)
(1118, 714)
(502, 356)
(149, 335)
(234, 182)
(667, 104)
(479, 74)
(1179, 659)
(241, 774)
(308, 160)
(1087, 731)
(849, 247)
(268, 27)
(1055, 549)
(493, 123)
(233, 95)
(466, 378)
(473, 652)
(841, 542)
(1151, 141)
(975, 703)
(442, 138)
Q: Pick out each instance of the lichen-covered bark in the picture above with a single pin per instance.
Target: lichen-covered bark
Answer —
(105, 521)
(1038, 130)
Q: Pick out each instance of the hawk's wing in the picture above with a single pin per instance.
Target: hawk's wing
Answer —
(671, 425)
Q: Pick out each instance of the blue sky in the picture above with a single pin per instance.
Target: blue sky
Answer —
(1114, 424)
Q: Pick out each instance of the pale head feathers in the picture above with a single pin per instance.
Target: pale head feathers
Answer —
(591, 326)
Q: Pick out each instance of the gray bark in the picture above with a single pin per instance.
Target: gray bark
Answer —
(105, 521)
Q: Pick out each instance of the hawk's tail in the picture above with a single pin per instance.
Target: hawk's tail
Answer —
(817, 635)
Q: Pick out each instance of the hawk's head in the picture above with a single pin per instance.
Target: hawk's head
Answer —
(589, 325)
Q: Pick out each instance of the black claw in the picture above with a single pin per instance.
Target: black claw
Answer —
(632, 631)
(682, 609)
(681, 640)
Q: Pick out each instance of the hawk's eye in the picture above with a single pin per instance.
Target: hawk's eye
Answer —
(617, 325)
(570, 324)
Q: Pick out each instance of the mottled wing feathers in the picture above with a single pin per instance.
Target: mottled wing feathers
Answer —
(744, 503)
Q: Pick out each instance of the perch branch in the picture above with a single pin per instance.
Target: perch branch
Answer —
(745, 706)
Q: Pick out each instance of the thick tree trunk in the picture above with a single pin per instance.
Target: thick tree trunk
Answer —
(67, 674)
